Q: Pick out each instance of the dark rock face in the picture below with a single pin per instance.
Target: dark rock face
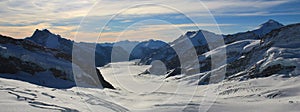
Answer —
(171, 54)
(174, 72)
(263, 29)
(276, 69)
(25, 60)
(240, 36)
(255, 62)
(14, 65)
(146, 48)
(267, 27)
(49, 40)
(58, 73)
(272, 41)
(95, 78)
(104, 83)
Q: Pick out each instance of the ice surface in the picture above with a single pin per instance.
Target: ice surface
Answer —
(153, 93)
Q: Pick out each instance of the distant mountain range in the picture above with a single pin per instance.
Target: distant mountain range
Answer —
(271, 49)
(46, 58)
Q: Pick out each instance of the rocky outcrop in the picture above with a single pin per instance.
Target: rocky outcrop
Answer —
(104, 83)
(25, 60)
(271, 49)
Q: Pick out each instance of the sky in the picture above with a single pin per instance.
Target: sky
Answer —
(116, 20)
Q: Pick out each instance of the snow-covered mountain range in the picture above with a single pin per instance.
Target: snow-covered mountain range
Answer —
(270, 49)
(259, 67)
(43, 64)
(46, 58)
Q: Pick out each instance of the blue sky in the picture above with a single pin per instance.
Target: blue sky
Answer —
(115, 20)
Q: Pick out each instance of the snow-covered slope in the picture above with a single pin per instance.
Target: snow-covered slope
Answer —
(135, 49)
(46, 58)
(262, 74)
(197, 38)
(50, 40)
(25, 60)
(189, 44)
(103, 51)
(41, 65)
(247, 55)
(146, 48)
(267, 27)
(153, 94)
(258, 33)
(126, 44)
(277, 53)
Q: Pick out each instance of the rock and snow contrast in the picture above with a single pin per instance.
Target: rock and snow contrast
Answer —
(32, 62)
(152, 93)
(262, 68)
(247, 55)
(267, 27)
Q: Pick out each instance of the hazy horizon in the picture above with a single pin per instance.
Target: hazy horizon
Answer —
(159, 20)
(146, 39)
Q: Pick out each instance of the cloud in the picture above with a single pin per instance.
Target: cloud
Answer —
(21, 17)
(29, 11)
(144, 8)
(195, 25)
(26, 31)
(126, 21)
(259, 13)
(141, 32)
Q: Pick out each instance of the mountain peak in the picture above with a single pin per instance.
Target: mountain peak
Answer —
(41, 33)
(43, 30)
(46, 30)
(271, 22)
(267, 27)
(46, 38)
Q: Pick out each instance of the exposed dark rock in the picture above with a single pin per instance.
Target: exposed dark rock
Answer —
(13, 65)
(104, 83)
(174, 72)
(58, 73)
(57, 62)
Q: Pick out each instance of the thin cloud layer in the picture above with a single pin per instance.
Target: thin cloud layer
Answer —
(21, 17)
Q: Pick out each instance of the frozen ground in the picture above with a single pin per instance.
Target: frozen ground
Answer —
(154, 93)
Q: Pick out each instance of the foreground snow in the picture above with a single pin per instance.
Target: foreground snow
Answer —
(154, 93)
